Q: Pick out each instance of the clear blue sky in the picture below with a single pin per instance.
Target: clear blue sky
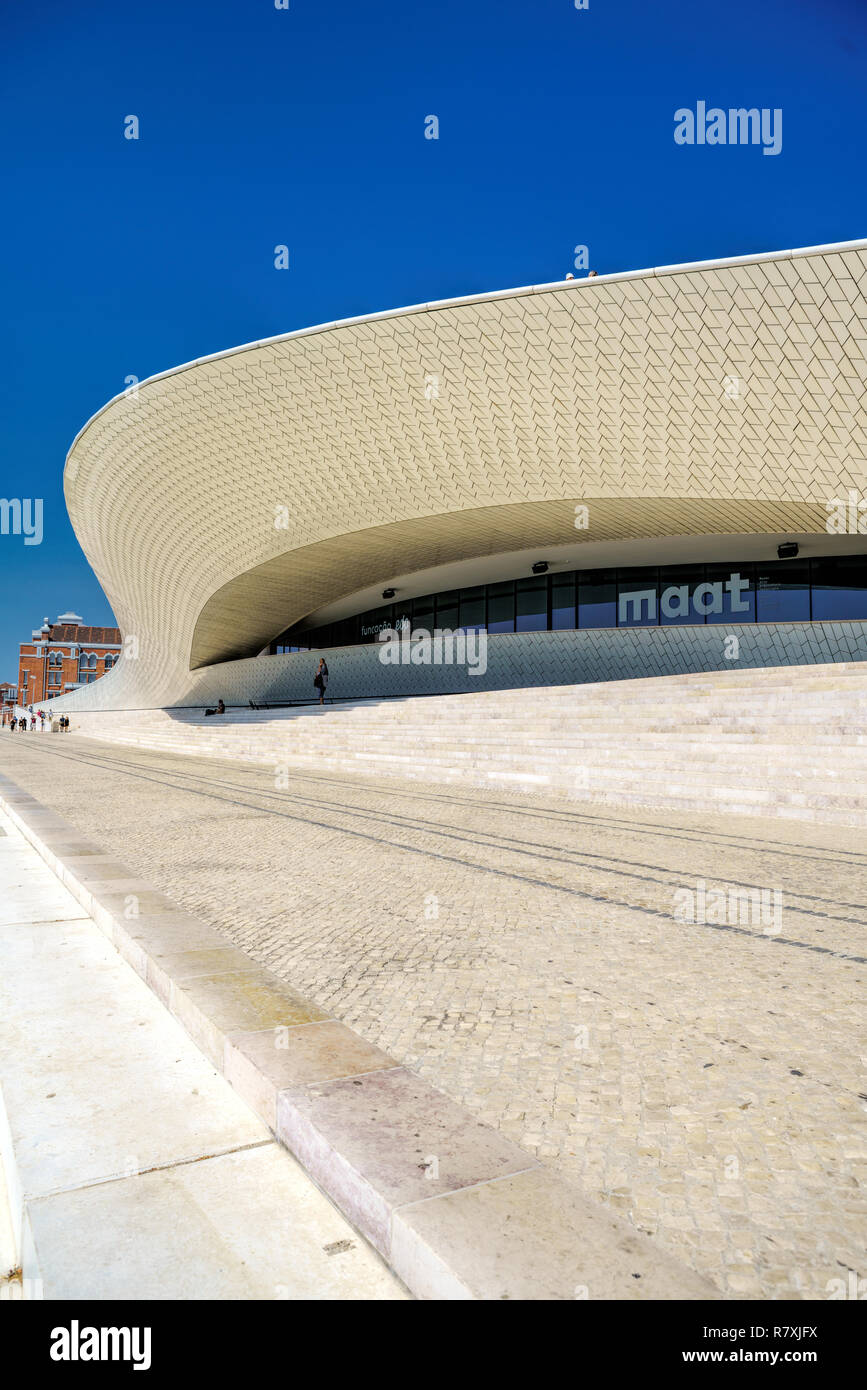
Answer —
(306, 127)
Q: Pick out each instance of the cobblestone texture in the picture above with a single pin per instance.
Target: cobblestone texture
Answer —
(704, 1081)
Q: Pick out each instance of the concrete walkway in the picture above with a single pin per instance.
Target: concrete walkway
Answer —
(134, 1170)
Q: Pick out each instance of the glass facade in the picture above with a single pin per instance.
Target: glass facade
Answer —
(766, 591)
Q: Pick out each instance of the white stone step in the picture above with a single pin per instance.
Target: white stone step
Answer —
(783, 742)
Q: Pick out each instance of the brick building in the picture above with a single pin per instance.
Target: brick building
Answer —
(62, 656)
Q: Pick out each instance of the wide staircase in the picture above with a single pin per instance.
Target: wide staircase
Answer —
(786, 741)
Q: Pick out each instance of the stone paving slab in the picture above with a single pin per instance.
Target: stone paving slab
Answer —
(189, 965)
(387, 1138)
(261, 1065)
(541, 1238)
(10, 1278)
(373, 1141)
(244, 1225)
(213, 1007)
(77, 1129)
(166, 934)
(134, 1171)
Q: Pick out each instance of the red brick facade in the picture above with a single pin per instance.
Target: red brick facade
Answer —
(61, 656)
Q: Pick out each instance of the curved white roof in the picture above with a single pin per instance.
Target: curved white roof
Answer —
(224, 499)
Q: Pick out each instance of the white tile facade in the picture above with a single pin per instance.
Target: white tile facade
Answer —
(445, 432)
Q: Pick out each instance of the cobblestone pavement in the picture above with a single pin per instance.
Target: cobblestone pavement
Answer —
(704, 1080)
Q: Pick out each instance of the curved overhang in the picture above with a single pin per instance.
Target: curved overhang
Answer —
(246, 614)
(229, 498)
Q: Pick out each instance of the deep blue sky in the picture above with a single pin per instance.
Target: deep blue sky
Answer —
(306, 127)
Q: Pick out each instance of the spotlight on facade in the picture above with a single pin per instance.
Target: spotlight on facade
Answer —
(540, 567)
(787, 551)
(388, 593)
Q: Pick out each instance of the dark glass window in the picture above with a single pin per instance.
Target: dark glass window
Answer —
(501, 607)
(448, 610)
(320, 636)
(531, 604)
(637, 597)
(348, 631)
(403, 616)
(783, 591)
(735, 590)
(597, 598)
(677, 587)
(472, 609)
(423, 614)
(774, 591)
(563, 601)
(840, 587)
(366, 627)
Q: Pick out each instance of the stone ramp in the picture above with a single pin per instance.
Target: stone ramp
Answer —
(788, 742)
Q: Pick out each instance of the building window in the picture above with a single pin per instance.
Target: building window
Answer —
(531, 604)
(501, 607)
(831, 588)
(637, 597)
(783, 591)
(737, 593)
(448, 610)
(839, 587)
(597, 598)
(471, 610)
(677, 589)
(423, 615)
(563, 601)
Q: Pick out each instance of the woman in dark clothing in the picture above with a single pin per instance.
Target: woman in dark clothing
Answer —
(320, 680)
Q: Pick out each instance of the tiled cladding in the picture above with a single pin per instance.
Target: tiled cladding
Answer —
(517, 660)
(439, 433)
